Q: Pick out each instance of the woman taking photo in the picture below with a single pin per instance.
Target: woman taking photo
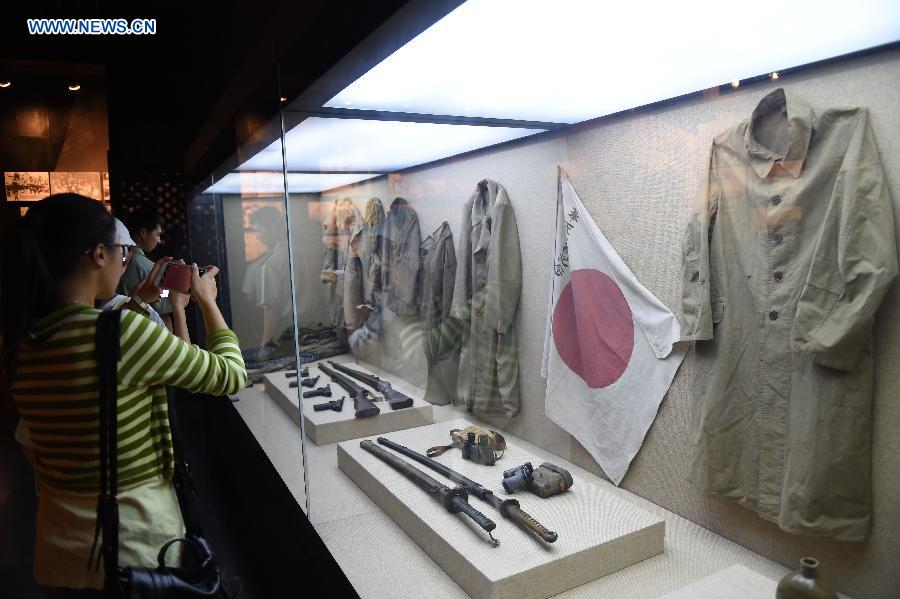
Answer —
(58, 259)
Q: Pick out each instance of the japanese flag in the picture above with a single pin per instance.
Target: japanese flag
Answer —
(608, 354)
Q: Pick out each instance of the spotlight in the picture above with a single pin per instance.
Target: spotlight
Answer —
(774, 75)
(736, 83)
(5, 83)
(283, 98)
(74, 87)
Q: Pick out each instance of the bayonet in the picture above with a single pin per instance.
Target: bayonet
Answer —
(394, 398)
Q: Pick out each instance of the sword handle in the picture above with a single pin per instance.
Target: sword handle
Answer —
(458, 504)
(522, 517)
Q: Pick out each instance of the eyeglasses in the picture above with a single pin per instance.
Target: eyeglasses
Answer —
(125, 247)
(126, 250)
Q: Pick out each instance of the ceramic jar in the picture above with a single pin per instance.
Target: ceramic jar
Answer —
(804, 584)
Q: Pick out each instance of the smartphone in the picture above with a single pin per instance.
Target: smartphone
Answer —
(175, 276)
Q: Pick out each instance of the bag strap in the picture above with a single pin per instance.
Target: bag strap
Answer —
(182, 481)
(107, 352)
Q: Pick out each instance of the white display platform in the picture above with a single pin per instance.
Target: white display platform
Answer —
(330, 427)
(599, 533)
(736, 582)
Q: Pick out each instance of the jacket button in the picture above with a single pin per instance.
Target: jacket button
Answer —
(773, 315)
(775, 200)
(778, 275)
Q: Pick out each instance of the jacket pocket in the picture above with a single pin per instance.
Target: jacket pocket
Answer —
(718, 311)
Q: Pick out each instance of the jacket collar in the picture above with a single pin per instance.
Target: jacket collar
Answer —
(399, 221)
(800, 121)
(436, 238)
(484, 199)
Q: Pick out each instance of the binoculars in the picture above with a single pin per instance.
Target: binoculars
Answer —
(481, 452)
(516, 479)
(544, 481)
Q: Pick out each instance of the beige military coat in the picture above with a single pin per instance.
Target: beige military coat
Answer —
(785, 267)
(486, 300)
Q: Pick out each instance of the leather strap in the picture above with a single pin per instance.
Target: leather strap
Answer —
(108, 353)
(184, 486)
(438, 450)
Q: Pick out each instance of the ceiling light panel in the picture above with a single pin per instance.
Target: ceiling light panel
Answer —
(335, 144)
(572, 60)
(272, 183)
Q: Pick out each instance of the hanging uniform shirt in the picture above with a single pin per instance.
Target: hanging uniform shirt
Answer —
(372, 217)
(438, 276)
(357, 275)
(486, 299)
(336, 235)
(785, 268)
(396, 259)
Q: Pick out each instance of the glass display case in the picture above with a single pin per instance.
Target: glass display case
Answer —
(608, 281)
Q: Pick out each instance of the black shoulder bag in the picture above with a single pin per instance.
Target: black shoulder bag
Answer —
(199, 576)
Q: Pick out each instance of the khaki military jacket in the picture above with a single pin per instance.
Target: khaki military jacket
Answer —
(395, 262)
(785, 267)
(344, 221)
(436, 279)
(485, 301)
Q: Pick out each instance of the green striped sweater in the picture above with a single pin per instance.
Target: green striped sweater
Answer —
(55, 390)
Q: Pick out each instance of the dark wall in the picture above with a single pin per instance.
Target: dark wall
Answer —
(46, 127)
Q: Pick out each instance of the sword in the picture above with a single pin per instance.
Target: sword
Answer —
(394, 398)
(454, 500)
(508, 508)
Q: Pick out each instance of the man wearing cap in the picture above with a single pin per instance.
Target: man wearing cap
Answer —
(120, 300)
(145, 228)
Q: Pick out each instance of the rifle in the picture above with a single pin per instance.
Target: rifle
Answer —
(394, 398)
(508, 508)
(454, 500)
(361, 402)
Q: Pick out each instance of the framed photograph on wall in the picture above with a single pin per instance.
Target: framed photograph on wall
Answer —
(104, 186)
(26, 186)
(86, 184)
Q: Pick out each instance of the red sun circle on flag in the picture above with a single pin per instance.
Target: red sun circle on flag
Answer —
(593, 329)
